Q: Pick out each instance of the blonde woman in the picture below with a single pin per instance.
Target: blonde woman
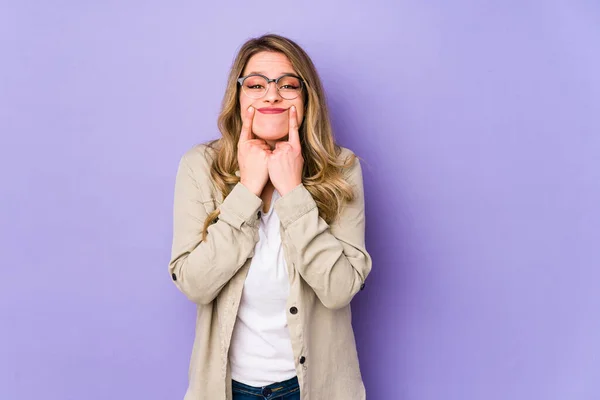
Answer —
(268, 238)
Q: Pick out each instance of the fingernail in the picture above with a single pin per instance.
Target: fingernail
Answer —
(294, 108)
(250, 109)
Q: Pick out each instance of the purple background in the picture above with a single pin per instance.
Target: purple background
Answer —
(479, 125)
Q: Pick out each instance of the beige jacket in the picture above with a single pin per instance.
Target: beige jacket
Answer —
(327, 265)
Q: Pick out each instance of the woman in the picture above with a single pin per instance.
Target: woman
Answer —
(269, 238)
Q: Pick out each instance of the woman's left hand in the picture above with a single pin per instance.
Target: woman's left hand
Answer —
(286, 162)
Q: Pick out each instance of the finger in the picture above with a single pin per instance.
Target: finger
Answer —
(286, 147)
(294, 136)
(246, 133)
(261, 144)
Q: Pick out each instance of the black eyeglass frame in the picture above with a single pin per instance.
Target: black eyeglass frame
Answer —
(276, 80)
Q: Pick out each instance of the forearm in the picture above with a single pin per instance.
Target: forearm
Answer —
(201, 273)
(200, 269)
(331, 259)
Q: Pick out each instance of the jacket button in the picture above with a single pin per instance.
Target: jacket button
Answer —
(302, 360)
(362, 286)
(294, 310)
(266, 392)
(173, 276)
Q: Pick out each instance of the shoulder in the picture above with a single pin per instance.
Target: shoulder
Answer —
(343, 153)
(195, 165)
(351, 160)
(200, 156)
(346, 155)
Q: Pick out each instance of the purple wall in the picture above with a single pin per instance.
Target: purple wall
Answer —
(480, 129)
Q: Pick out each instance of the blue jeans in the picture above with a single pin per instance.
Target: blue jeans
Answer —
(286, 390)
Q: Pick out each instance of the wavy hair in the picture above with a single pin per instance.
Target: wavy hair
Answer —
(322, 174)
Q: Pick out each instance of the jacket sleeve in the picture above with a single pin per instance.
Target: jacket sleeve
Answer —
(332, 259)
(200, 269)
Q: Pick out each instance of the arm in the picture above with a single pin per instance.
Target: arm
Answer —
(332, 259)
(200, 269)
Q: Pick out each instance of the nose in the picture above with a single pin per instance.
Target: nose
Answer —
(272, 94)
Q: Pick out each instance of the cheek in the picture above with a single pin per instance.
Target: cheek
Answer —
(300, 108)
(300, 118)
(244, 103)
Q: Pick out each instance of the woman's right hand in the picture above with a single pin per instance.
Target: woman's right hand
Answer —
(253, 156)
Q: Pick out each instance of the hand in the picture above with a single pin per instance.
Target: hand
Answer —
(285, 162)
(253, 155)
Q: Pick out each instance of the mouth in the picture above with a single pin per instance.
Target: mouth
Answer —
(271, 110)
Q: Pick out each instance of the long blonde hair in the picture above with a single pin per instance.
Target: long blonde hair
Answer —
(323, 171)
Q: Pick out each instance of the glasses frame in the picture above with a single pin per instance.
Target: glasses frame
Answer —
(276, 80)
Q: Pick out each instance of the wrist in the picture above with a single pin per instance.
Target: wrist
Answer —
(253, 188)
(286, 190)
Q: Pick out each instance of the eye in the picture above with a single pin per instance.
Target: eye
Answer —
(289, 83)
(255, 82)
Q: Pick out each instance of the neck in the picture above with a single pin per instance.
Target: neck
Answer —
(272, 143)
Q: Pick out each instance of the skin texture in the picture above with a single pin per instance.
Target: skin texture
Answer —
(269, 152)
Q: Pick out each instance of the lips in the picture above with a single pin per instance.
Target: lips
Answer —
(271, 110)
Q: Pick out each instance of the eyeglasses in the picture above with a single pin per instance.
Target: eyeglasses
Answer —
(256, 86)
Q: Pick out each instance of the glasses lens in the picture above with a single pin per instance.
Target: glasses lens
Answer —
(289, 87)
(255, 86)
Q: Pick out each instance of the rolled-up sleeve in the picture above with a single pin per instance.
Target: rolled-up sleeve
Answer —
(200, 269)
(332, 259)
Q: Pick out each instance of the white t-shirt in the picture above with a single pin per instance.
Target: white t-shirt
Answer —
(261, 350)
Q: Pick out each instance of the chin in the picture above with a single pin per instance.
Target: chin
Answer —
(270, 133)
(272, 136)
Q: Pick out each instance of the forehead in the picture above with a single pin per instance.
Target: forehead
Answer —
(269, 63)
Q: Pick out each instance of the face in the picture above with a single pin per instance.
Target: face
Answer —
(271, 125)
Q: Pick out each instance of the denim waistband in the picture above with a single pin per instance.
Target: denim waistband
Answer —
(269, 391)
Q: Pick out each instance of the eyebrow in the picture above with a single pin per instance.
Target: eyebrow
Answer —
(264, 73)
